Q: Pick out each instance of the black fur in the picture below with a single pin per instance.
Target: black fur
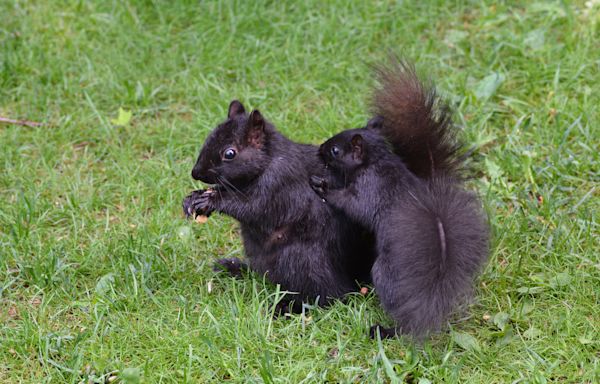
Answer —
(288, 232)
(431, 235)
(415, 121)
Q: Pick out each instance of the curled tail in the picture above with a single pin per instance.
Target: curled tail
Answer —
(427, 271)
(415, 121)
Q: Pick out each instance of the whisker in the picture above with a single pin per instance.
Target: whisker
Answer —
(232, 188)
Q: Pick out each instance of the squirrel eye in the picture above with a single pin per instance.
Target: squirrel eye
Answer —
(229, 154)
(335, 151)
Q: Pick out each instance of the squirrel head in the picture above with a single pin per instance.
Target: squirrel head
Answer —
(353, 149)
(343, 155)
(235, 152)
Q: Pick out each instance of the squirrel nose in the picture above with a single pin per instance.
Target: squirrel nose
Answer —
(208, 176)
(196, 174)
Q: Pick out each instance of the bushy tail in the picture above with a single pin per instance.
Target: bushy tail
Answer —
(432, 268)
(416, 122)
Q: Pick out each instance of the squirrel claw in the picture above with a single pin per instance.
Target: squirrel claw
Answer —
(319, 185)
(197, 203)
(188, 208)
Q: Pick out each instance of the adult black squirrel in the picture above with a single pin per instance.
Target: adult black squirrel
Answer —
(400, 178)
(261, 178)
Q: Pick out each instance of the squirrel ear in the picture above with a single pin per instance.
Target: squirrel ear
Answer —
(357, 147)
(255, 130)
(375, 123)
(235, 108)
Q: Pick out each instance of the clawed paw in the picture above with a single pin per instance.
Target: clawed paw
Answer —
(188, 206)
(199, 203)
(319, 185)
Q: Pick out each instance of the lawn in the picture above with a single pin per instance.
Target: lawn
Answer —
(102, 279)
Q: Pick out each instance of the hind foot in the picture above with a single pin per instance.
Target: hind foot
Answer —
(234, 267)
(384, 333)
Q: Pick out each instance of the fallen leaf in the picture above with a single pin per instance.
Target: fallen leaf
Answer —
(488, 85)
(131, 375)
(454, 37)
(501, 319)
(535, 39)
(530, 290)
(506, 338)
(105, 283)
(493, 169)
(560, 280)
(532, 333)
(526, 308)
(123, 119)
(466, 341)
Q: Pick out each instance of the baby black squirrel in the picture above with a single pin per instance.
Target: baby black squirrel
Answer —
(400, 178)
(261, 178)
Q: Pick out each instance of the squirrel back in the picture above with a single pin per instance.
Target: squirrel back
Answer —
(415, 121)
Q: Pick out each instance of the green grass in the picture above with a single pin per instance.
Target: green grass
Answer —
(99, 272)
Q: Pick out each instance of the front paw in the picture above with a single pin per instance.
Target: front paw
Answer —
(188, 206)
(200, 202)
(205, 203)
(319, 185)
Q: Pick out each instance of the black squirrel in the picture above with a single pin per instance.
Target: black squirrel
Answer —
(400, 177)
(261, 178)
